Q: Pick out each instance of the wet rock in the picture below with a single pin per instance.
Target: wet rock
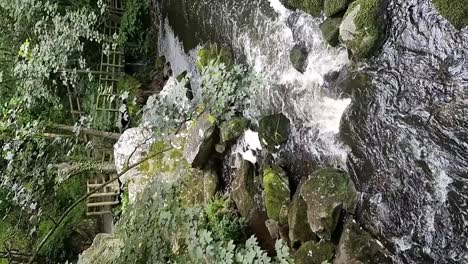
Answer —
(199, 187)
(299, 229)
(232, 129)
(284, 234)
(243, 189)
(283, 215)
(277, 191)
(315, 253)
(333, 7)
(273, 227)
(243, 195)
(455, 11)
(105, 249)
(356, 246)
(213, 54)
(201, 141)
(331, 30)
(298, 57)
(326, 193)
(362, 28)
(313, 7)
(274, 130)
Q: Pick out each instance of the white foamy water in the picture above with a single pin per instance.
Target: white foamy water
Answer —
(265, 48)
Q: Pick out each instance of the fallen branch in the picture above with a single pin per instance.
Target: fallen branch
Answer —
(88, 131)
(83, 198)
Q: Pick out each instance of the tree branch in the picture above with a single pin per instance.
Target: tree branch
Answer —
(88, 131)
(83, 198)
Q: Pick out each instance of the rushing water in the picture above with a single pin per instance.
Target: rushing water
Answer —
(406, 132)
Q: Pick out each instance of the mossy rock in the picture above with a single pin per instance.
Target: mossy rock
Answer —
(283, 215)
(201, 140)
(232, 129)
(313, 7)
(274, 130)
(326, 192)
(277, 191)
(363, 27)
(199, 187)
(315, 253)
(298, 57)
(357, 246)
(455, 11)
(243, 190)
(331, 30)
(333, 7)
(105, 249)
(299, 229)
(213, 54)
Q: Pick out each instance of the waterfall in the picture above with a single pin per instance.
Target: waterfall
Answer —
(264, 43)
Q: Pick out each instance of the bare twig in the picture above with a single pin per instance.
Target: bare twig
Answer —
(83, 198)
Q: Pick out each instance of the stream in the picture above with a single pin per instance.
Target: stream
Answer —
(401, 133)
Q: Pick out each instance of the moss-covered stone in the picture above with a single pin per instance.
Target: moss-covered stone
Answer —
(331, 30)
(283, 215)
(243, 190)
(199, 187)
(357, 246)
(213, 54)
(333, 7)
(274, 130)
(326, 193)
(105, 249)
(363, 27)
(455, 11)
(201, 140)
(299, 229)
(313, 7)
(298, 57)
(314, 253)
(277, 191)
(232, 129)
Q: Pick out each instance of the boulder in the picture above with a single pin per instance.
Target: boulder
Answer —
(298, 57)
(274, 130)
(201, 141)
(283, 215)
(299, 229)
(314, 253)
(356, 246)
(199, 187)
(313, 7)
(243, 189)
(331, 30)
(333, 7)
(455, 11)
(363, 28)
(105, 249)
(232, 129)
(273, 227)
(327, 192)
(277, 191)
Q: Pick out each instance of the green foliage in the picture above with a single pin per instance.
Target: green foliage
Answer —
(455, 11)
(159, 229)
(223, 221)
(228, 91)
(212, 54)
(135, 30)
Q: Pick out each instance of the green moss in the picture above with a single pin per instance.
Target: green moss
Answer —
(370, 27)
(277, 191)
(274, 130)
(333, 7)
(314, 253)
(313, 7)
(455, 11)
(166, 162)
(331, 30)
(326, 192)
(213, 54)
(232, 129)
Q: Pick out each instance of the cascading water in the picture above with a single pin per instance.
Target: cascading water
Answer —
(406, 133)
